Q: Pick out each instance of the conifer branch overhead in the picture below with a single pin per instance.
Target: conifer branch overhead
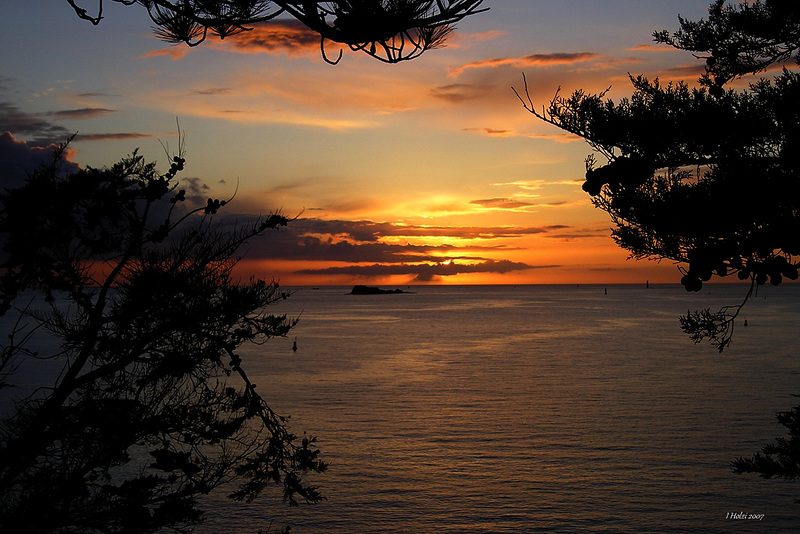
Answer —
(388, 30)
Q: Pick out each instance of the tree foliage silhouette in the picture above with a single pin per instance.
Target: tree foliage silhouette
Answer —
(137, 289)
(152, 406)
(780, 459)
(388, 30)
(706, 176)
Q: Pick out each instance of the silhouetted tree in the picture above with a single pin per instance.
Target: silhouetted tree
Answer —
(152, 406)
(740, 39)
(705, 176)
(388, 30)
(780, 459)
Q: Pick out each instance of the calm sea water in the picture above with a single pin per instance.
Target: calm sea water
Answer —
(530, 409)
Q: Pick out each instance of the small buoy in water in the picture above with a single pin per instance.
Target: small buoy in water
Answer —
(294, 345)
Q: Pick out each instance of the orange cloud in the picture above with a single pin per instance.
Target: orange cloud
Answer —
(651, 48)
(558, 138)
(533, 60)
(287, 36)
(174, 53)
(465, 40)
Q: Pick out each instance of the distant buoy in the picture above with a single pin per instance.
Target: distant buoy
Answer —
(294, 345)
(605, 291)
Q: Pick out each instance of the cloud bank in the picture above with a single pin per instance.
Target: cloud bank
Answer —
(425, 272)
(375, 249)
(43, 130)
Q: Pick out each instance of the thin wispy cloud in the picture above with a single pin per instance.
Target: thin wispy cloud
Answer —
(95, 94)
(36, 129)
(174, 53)
(213, 91)
(502, 203)
(253, 112)
(80, 114)
(119, 136)
(458, 93)
(491, 132)
(467, 40)
(275, 96)
(573, 233)
(536, 185)
(558, 137)
(371, 231)
(533, 60)
(651, 48)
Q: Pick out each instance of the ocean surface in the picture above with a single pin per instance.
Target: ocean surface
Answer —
(515, 409)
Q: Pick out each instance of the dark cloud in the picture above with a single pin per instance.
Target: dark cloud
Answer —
(502, 203)
(212, 91)
(360, 247)
(533, 60)
(367, 231)
(427, 272)
(120, 136)
(17, 159)
(311, 248)
(95, 95)
(80, 114)
(37, 129)
(458, 92)
(581, 233)
(297, 244)
(42, 130)
(491, 132)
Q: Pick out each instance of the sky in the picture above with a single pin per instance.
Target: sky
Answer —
(427, 171)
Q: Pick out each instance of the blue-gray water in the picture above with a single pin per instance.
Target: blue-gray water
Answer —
(530, 409)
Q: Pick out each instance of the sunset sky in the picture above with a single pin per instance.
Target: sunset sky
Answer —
(425, 171)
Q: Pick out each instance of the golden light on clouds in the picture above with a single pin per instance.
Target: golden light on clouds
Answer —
(428, 171)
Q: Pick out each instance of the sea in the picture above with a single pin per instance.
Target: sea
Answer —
(524, 409)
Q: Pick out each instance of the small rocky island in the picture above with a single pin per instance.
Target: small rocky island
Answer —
(369, 290)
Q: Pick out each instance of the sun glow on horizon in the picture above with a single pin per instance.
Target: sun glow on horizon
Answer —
(428, 171)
